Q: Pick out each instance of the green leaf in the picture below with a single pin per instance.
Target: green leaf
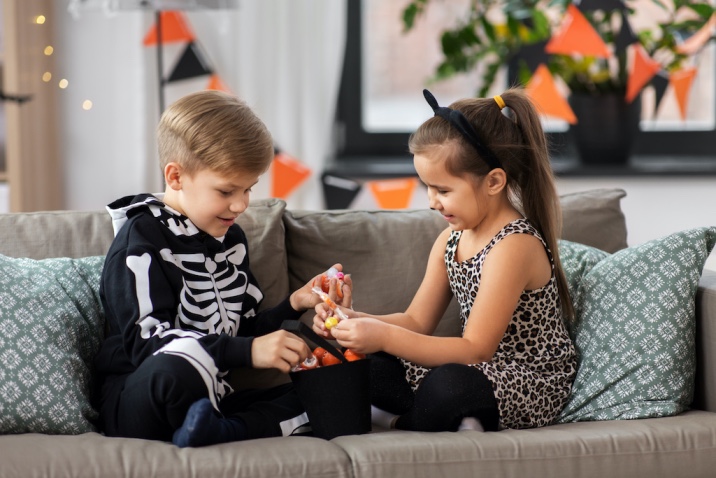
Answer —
(409, 15)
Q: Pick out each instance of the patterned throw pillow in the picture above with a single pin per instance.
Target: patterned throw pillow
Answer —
(635, 326)
(51, 325)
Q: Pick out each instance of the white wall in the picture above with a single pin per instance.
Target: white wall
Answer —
(658, 206)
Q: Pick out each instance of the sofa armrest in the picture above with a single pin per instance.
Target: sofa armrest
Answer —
(705, 381)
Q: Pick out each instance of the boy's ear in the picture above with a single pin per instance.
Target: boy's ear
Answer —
(496, 180)
(172, 175)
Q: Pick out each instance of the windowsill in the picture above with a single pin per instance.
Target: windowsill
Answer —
(639, 166)
(369, 167)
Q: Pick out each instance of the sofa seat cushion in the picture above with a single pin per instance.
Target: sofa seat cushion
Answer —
(683, 446)
(94, 455)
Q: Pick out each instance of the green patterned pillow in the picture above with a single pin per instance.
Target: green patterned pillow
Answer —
(635, 326)
(51, 325)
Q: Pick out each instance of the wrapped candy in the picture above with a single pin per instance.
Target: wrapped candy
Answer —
(326, 280)
(309, 363)
(329, 302)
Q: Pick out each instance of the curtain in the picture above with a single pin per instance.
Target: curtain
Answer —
(283, 57)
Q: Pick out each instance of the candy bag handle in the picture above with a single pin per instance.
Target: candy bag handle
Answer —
(302, 330)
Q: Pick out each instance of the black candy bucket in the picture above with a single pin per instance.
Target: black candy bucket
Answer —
(335, 397)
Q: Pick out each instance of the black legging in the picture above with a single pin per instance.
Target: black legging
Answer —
(446, 395)
(152, 402)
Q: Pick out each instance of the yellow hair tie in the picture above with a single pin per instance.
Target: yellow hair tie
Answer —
(500, 102)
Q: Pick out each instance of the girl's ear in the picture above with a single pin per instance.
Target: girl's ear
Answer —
(496, 181)
(172, 175)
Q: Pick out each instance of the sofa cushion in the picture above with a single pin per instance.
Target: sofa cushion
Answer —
(82, 234)
(263, 224)
(51, 325)
(635, 327)
(595, 218)
(386, 251)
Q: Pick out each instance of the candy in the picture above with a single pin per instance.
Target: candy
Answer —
(326, 280)
(330, 359)
(308, 363)
(332, 305)
(331, 322)
(352, 355)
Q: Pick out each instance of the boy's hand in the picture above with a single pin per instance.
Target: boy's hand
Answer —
(281, 349)
(304, 298)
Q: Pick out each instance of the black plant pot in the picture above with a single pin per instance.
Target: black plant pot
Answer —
(606, 127)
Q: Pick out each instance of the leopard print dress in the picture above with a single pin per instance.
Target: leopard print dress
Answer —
(535, 363)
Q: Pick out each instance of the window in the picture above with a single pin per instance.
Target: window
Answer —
(384, 72)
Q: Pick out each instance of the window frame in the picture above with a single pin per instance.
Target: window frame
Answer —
(353, 142)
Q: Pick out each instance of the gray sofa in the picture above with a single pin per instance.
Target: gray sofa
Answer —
(385, 251)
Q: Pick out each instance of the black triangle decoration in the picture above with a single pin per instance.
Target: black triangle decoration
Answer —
(660, 82)
(339, 192)
(190, 65)
(626, 35)
(605, 5)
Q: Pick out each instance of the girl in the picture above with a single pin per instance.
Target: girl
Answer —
(487, 171)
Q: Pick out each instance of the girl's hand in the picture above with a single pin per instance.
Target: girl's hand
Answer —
(304, 298)
(364, 335)
(322, 313)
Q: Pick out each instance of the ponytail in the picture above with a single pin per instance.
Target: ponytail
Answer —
(531, 185)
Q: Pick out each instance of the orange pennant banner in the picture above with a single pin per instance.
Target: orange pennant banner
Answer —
(215, 83)
(174, 29)
(543, 92)
(393, 193)
(287, 174)
(576, 36)
(681, 81)
(642, 71)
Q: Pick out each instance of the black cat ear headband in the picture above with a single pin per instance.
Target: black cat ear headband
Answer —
(460, 123)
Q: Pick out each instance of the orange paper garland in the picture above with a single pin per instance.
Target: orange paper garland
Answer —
(174, 29)
(642, 71)
(543, 92)
(681, 82)
(287, 173)
(393, 193)
(577, 36)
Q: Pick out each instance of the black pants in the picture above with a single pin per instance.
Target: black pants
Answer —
(152, 402)
(446, 395)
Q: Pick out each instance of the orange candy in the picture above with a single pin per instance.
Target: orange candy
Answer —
(330, 359)
(352, 355)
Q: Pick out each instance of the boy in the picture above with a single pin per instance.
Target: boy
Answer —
(180, 299)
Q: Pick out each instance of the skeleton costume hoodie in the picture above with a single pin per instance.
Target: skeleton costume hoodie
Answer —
(170, 288)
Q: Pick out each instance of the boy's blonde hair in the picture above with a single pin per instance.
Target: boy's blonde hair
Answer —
(212, 129)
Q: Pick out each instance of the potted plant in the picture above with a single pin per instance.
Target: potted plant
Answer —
(496, 33)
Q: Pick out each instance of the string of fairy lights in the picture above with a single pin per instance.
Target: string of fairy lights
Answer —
(63, 83)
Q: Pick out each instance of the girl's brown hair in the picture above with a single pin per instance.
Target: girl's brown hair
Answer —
(517, 140)
(214, 130)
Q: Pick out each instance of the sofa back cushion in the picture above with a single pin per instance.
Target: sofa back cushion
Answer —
(76, 234)
(386, 251)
